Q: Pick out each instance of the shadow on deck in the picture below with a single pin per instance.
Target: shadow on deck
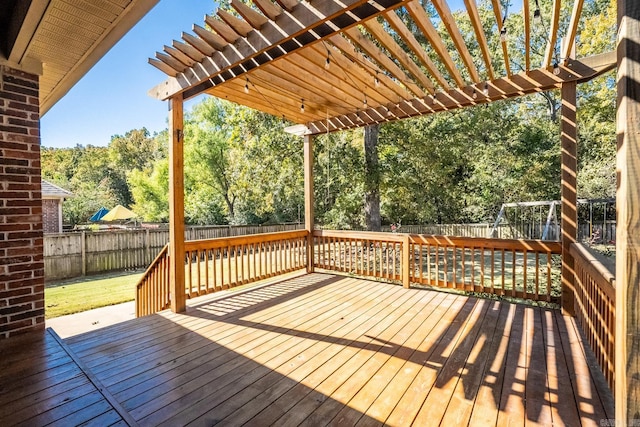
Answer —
(322, 349)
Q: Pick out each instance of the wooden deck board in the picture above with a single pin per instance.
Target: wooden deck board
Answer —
(48, 387)
(315, 349)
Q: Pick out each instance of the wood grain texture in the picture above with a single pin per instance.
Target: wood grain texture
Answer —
(569, 165)
(627, 366)
(309, 219)
(176, 204)
(317, 347)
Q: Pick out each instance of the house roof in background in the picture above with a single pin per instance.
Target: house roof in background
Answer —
(61, 40)
(51, 191)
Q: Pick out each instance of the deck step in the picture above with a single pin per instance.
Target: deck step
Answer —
(126, 417)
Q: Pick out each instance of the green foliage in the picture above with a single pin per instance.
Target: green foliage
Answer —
(459, 166)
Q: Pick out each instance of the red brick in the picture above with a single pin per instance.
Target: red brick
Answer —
(17, 328)
(13, 178)
(14, 113)
(20, 89)
(13, 97)
(23, 203)
(27, 298)
(16, 293)
(15, 309)
(23, 139)
(33, 282)
(20, 154)
(27, 314)
(21, 251)
(20, 122)
(25, 82)
(15, 129)
(15, 227)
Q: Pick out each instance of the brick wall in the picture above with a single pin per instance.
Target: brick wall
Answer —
(21, 251)
(50, 216)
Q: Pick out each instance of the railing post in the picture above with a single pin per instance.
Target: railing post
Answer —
(569, 141)
(308, 199)
(406, 261)
(627, 335)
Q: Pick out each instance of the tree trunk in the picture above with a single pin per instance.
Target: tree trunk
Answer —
(371, 179)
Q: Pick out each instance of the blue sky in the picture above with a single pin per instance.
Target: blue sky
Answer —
(112, 97)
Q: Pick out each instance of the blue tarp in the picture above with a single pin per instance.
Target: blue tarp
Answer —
(98, 215)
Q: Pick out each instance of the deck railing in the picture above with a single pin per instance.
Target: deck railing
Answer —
(514, 268)
(215, 264)
(595, 302)
(218, 264)
(359, 252)
(524, 269)
(152, 290)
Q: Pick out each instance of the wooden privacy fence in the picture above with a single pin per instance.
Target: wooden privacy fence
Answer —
(595, 302)
(71, 255)
(215, 264)
(515, 268)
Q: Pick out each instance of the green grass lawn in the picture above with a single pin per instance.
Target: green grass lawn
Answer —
(81, 294)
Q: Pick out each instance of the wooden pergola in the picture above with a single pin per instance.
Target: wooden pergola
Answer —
(329, 65)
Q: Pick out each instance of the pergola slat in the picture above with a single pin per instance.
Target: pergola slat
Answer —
(171, 62)
(213, 39)
(180, 56)
(383, 60)
(222, 29)
(193, 53)
(348, 95)
(415, 47)
(253, 18)
(456, 36)
(505, 51)
(290, 82)
(311, 62)
(163, 67)
(527, 35)
(423, 21)
(405, 60)
(474, 16)
(198, 44)
(240, 26)
(276, 107)
(270, 9)
(288, 4)
(553, 34)
(350, 51)
(573, 29)
(359, 81)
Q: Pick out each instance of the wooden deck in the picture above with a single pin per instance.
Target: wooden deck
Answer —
(42, 384)
(321, 349)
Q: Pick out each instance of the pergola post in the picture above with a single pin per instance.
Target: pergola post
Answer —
(569, 162)
(176, 205)
(308, 198)
(627, 335)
